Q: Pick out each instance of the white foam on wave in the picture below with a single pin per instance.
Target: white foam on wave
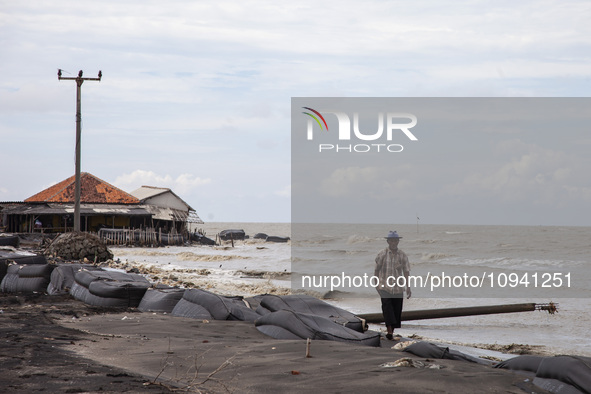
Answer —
(427, 241)
(218, 280)
(343, 251)
(433, 256)
(271, 257)
(356, 239)
(314, 241)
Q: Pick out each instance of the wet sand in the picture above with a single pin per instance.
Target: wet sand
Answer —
(58, 344)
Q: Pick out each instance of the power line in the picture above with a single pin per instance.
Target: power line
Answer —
(79, 80)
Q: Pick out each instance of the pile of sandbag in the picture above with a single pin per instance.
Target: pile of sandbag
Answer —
(109, 288)
(281, 317)
(202, 304)
(558, 374)
(22, 271)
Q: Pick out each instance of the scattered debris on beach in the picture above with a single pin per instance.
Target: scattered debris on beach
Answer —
(409, 362)
(512, 348)
(195, 278)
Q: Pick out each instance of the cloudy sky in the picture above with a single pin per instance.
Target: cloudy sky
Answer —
(517, 160)
(196, 95)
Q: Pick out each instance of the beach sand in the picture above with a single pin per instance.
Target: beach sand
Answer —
(58, 344)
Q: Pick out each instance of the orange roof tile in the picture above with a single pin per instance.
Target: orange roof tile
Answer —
(92, 190)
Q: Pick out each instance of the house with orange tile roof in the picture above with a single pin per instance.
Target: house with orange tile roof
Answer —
(102, 205)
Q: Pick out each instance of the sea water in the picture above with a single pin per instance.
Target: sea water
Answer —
(254, 266)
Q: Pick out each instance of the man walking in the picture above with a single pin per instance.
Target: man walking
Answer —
(391, 267)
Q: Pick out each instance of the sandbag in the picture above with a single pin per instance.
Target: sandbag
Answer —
(9, 240)
(36, 259)
(19, 257)
(555, 386)
(277, 332)
(274, 238)
(23, 278)
(9, 283)
(430, 350)
(254, 302)
(220, 307)
(31, 271)
(62, 277)
(304, 325)
(109, 288)
(86, 277)
(574, 370)
(311, 305)
(261, 310)
(235, 235)
(81, 293)
(132, 291)
(185, 308)
(525, 363)
(552, 373)
(14, 284)
(202, 239)
(160, 300)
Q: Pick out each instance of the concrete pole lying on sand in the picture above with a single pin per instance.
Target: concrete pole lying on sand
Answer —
(463, 311)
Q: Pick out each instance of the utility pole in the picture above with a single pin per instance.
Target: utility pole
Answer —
(79, 80)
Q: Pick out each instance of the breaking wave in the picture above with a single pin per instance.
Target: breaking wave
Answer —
(434, 256)
(313, 241)
(343, 251)
(251, 274)
(224, 282)
(140, 252)
(190, 256)
(356, 239)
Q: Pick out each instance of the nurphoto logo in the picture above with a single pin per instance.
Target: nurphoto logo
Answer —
(395, 123)
(316, 119)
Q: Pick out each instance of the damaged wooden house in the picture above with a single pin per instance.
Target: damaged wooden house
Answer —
(102, 206)
(168, 210)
